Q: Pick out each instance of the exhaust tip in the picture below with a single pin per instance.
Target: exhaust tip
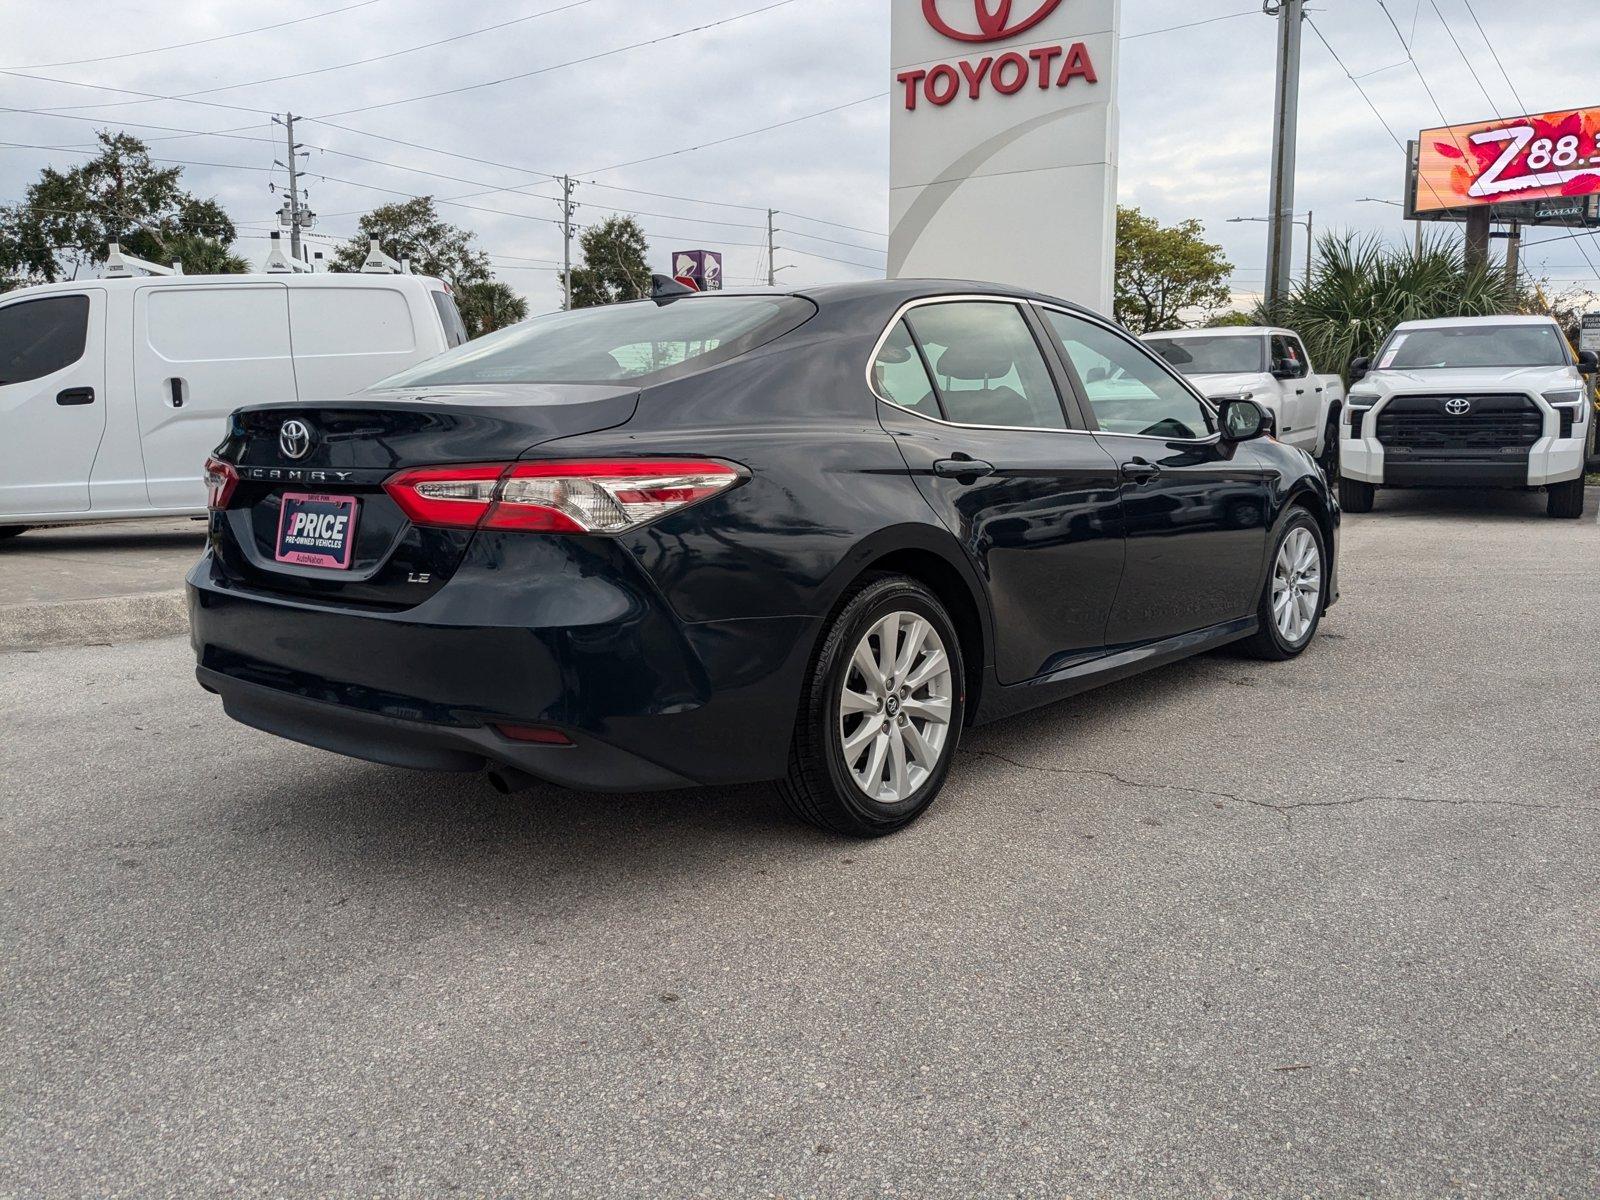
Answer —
(507, 780)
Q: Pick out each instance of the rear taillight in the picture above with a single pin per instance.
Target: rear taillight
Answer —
(221, 479)
(610, 496)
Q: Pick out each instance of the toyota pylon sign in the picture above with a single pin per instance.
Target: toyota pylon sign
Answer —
(1003, 143)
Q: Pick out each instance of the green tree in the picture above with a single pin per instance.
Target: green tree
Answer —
(1360, 289)
(614, 264)
(1232, 320)
(1164, 271)
(67, 218)
(412, 229)
(489, 305)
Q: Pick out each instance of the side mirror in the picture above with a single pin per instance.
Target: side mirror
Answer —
(1359, 368)
(1242, 420)
(1282, 370)
(1588, 362)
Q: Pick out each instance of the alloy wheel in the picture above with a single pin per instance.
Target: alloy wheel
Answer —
(895, 706)
(1297, 585)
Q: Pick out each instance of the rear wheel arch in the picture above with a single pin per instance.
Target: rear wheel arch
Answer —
(944, 572)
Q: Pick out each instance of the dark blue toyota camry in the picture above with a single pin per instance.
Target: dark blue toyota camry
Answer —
(713, 539)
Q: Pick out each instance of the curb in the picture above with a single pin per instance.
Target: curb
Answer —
(92, 622)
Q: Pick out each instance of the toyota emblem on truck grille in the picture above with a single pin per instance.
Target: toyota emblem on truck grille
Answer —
(1458, 407)
(294, 438)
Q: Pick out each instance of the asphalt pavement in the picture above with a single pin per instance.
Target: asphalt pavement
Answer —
(1329, 927)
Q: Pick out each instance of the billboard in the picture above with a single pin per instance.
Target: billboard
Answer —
(1549, 157)
(1003, 143)
(699, 269)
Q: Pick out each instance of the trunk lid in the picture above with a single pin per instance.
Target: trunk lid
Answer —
(347, 448)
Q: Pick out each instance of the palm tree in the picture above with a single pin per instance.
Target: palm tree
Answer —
(1361, 289)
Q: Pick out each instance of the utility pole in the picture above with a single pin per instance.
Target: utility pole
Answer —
(1311, 242)
(567, 209)
(772, 248)
(297, 216)
(1286, 117)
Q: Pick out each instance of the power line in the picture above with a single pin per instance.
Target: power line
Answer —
(188, 97)
(101, 87)
(1132, 37)
(470, 87)
(221, 37)
(834, 241)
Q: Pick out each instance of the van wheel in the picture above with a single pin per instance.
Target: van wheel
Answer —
(1356, 496)
(11, 531)
(1565, 500)
(880, 715)
(1292, 600)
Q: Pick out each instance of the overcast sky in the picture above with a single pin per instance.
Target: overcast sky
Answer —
(1196, 113)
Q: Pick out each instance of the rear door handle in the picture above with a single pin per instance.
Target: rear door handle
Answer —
(1139, 470)
(962, 468)
(83, 395)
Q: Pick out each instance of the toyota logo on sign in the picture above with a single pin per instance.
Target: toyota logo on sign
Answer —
(990, 23)
(1458, 407)
(294, 438)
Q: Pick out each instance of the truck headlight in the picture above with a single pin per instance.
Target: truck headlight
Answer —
(1564, 396)
(1362, 399)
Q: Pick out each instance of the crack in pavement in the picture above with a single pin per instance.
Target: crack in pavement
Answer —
(1286, 811)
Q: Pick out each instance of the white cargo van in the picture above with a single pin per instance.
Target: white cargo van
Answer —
(114, 391)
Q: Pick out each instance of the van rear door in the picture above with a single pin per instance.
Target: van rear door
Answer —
(199, 353)
(52, 400)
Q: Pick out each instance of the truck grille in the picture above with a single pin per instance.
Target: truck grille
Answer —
(1423, 423)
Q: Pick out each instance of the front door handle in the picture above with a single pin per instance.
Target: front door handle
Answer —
(83, 395)
(1138, 470)
(965, 469)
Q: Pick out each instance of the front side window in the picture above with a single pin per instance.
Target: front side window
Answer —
(1126, 387)
(1212, 355)
(987, 366)
(40, 337)
(1460, 346)
(643, 341)
(1288, 356)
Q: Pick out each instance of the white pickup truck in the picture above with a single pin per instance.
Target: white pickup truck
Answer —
(1475, 402)
(1269, 366)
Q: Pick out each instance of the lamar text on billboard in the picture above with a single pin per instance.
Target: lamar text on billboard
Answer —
(1045, 66)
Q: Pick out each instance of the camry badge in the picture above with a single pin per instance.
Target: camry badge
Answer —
(1458, 407)
(294, 438)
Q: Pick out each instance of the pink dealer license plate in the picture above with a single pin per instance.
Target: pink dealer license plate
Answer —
(316, 530)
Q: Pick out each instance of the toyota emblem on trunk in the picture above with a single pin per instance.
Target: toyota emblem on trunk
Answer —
(294, 438)
(1458, 407)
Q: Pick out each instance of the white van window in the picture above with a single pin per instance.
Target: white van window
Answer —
(455, 330)
(373, 320)
(40, 337)
(218, 323)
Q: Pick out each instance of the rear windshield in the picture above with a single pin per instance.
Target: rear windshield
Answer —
(642, 341)
(1213, 355)
(1475, 346)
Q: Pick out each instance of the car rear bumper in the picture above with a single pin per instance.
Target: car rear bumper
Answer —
(648, 701)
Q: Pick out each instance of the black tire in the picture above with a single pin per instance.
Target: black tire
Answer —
(1329, 462)
(1268, 642)
(1356, 496)
(1564, 501)
(819, 787)
(11, 531)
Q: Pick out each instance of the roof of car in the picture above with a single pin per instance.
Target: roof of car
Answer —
(304, 279)
(1225, 331)
(1457, 322)
(902, 290)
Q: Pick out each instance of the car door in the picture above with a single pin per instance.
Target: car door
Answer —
(1030, 494)
(52, 400)
(1195, 509)
(1300, 392)
(199, 353)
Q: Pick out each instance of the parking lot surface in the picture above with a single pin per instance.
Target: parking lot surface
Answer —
(1325, 927)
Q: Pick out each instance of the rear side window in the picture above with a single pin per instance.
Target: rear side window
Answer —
(40, 337)
(455, 330)
(988, 367)
(899, 376)
(643, 341)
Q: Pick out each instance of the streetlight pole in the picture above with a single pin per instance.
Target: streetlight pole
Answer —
(1289, 224)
